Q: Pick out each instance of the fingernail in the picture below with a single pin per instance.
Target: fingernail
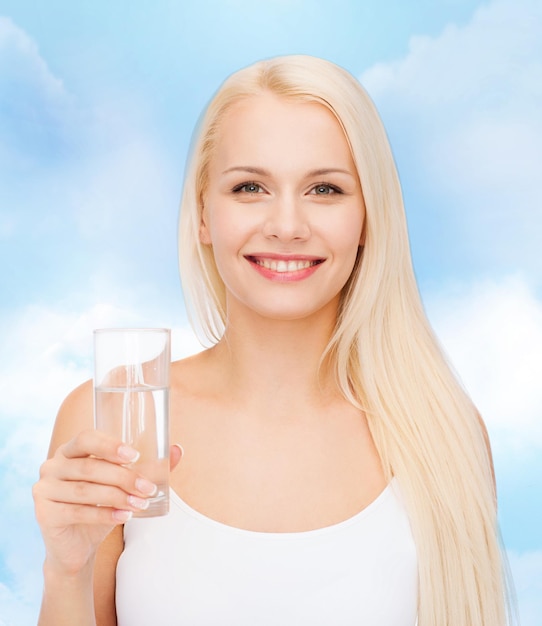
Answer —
(128, 454)
(178, 445)
(122, 516)
(138, 503)
(145, 486)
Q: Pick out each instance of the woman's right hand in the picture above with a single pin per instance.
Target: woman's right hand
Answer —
(85, 490)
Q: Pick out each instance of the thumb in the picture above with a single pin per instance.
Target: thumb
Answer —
(176, 452)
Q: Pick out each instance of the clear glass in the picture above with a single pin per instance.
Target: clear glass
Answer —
(131, 400)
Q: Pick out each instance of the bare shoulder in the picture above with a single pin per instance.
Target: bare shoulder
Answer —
(76, 413)
(194, 375)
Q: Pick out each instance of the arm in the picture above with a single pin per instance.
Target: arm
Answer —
(66, 598)
(105, 577)
(84, 468)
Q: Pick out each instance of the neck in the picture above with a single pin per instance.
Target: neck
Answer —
(272, 366)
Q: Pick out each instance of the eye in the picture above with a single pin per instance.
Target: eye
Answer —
(247, 188)
(325, 189)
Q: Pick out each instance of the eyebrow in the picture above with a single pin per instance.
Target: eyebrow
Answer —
(263, 172)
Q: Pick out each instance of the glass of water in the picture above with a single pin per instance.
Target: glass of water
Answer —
(131, 400)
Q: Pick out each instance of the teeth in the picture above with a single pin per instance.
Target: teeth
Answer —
(284, 266)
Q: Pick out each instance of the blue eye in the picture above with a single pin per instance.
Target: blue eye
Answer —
(247, 188)
(324, 189)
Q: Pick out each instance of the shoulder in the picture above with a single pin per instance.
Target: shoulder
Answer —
(76, 413)
(79, 399)
(195, 375)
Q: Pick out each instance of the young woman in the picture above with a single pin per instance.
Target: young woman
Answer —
(335, 472)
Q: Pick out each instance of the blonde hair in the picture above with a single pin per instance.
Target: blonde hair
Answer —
(388, 362)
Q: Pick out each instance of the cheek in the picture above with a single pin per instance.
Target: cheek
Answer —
(211, 230)
(220, 230)
(349, 234)
(228, 225)
(224, 237)
(348, 242)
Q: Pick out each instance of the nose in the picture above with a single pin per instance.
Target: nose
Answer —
(286, 220)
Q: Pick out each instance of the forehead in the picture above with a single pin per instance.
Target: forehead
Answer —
(265, 125)
(268, 103)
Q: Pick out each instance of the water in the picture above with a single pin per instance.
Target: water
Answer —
(140, 417)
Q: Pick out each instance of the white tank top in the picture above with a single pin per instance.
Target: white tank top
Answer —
(186, 569)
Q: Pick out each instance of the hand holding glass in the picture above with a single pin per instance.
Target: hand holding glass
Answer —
(131, 400)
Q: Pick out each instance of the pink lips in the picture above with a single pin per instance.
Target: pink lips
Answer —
(284, 268)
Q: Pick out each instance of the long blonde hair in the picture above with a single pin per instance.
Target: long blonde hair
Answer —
(388, 362)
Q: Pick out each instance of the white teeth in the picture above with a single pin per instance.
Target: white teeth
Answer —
(285, 266)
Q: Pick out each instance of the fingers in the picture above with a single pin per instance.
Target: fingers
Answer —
(53, 514)
(87, 482)
(102, 493)
(93, 442)
(86, 489)
(75, 496)
(93, 481)
(91, 471)
(93, 458)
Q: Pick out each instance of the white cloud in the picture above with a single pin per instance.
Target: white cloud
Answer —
(498, 46)
(465, 107)
(44, 352)
(16, 611)
(86, 186)
(20, 60)
(492, 332)
(50, 352)
(36, 109)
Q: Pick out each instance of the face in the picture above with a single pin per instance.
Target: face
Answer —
(283, 210)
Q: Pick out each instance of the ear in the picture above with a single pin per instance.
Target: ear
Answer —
(204, 234)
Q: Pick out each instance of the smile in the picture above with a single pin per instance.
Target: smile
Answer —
(284, 270)
(284, 266)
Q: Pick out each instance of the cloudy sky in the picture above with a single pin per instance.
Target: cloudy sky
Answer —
(97, 105)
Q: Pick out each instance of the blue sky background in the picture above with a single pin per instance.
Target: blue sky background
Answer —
(97, 105)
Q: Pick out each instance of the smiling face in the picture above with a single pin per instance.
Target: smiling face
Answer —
(283, 208)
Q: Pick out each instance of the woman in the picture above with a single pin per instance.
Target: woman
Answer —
(335, 472)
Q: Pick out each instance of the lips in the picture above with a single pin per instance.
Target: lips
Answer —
(280, 266)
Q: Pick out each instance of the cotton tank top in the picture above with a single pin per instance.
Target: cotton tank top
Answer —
(189, 570)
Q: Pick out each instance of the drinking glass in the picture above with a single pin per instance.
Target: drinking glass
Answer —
(131, 400)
